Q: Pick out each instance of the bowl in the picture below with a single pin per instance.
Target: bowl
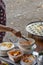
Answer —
(27, 51)
(27, 48)
(26, 44)
(15, 55)
(5, 47)
(27, 60)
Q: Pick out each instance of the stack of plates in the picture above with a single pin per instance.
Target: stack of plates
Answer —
(5, 47)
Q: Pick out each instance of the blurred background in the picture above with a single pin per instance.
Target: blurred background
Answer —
(20, 12)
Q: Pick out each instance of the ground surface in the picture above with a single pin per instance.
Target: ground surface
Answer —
(21, 12)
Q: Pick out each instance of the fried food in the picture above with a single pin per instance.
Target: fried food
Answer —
(28, 58)
(15, 53)
(8, 44)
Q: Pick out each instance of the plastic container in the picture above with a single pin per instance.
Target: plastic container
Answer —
(29, 48)
(29, 60)
(26, 44)
(15, 55)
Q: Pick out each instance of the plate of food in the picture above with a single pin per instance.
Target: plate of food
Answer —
(5, 47)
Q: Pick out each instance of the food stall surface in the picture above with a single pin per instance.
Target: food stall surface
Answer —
(6, 59)
(16, 55)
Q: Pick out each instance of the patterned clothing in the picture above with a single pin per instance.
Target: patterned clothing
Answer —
(2, 18)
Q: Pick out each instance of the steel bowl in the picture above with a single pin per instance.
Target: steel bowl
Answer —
(3, 51)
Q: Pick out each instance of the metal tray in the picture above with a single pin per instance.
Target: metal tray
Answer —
(6, 59)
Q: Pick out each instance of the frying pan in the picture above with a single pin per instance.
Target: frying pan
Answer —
(34, 30)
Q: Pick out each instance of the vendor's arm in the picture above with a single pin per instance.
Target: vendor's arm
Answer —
(8, 29)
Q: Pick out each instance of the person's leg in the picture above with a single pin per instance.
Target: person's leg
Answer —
(2, 34)
(1, 37)
(1, 40)
(2, 19)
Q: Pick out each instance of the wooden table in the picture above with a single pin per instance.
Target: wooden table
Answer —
(39, 43)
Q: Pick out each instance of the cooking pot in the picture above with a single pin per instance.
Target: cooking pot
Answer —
(35, 30)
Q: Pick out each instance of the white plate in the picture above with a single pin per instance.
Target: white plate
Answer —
(4, 49)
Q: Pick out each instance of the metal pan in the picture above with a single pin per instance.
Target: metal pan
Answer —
(35, 30)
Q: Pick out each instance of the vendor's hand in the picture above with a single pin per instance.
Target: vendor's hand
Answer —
(18, 34)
